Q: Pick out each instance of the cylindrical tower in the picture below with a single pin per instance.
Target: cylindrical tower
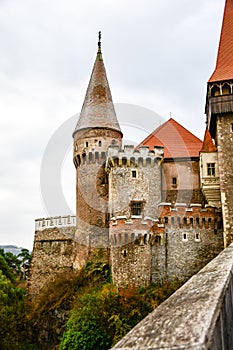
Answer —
(97, 128)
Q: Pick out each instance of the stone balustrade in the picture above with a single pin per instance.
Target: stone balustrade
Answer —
(56, 221)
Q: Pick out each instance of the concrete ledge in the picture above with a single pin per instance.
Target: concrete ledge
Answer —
(198, 316)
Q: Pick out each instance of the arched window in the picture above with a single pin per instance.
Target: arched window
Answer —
(226, 90)
(215, 91)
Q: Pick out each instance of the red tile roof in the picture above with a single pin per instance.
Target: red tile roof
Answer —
(224, 65)
(208, 144)
(177, 141)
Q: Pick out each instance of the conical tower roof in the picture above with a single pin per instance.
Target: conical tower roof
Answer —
(224, 64)
(208, 144)
(98, 109)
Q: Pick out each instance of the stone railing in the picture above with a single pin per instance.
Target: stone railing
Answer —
(56, 221)
(198, 316)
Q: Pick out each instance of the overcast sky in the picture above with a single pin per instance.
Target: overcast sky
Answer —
(158, 56)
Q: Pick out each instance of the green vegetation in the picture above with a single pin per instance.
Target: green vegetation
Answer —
(83, 311)
(102, 316)
(12, 300)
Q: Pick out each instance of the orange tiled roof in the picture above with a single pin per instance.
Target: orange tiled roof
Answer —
(177, 141)
(224, 64)
(208, 144)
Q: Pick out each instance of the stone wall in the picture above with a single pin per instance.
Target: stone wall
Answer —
(224, 136)
(178, 244)
(197, 316)
(92, 192)
(134, 176)
(52, 255)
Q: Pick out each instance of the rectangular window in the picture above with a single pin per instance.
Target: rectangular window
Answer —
(86, 144)
(100, 143)
(134, 173)
(136, 208)
(231, 127)
(174, 181)
(211, 169)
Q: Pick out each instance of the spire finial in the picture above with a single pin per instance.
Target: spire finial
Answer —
(99, 42)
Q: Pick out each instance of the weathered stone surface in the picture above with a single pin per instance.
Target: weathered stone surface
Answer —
(52, 255)
(198, 316)
(224, 137)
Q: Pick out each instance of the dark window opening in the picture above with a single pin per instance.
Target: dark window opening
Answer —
(124, 253)
(166, 220)
(191, 222)
(232, 127)
(197, 236)
(86, 144)
(211, 169)
(226, 90)
(100, 143)
(174, 181)
(178, 221)
(184, 236)
(136, 208)
(134, 173)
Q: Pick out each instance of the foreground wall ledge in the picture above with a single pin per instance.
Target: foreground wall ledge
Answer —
(197, 316)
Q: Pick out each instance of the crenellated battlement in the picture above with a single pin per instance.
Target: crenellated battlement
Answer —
(89, 158)
(180, 215)
(129, 155)
(56, 221)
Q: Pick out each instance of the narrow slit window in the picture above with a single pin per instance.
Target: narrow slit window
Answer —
(174, 181)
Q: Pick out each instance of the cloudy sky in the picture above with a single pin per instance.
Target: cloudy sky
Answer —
(158, 55)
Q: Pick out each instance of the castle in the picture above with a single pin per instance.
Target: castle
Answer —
(155, 211)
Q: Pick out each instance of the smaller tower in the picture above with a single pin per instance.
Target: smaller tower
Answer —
(97, 128)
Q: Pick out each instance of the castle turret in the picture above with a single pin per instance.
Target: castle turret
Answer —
(219, 111)
(97, 128)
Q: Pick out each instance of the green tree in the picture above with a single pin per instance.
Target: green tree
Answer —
(11, 315)
(6, 270)
(25, 259)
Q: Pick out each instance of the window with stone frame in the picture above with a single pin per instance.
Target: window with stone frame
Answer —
(134, 174)
(211, 169)
(136, 208)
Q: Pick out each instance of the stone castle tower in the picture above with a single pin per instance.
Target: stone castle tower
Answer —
(219, 112)
(96, 130)
(159, 210)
